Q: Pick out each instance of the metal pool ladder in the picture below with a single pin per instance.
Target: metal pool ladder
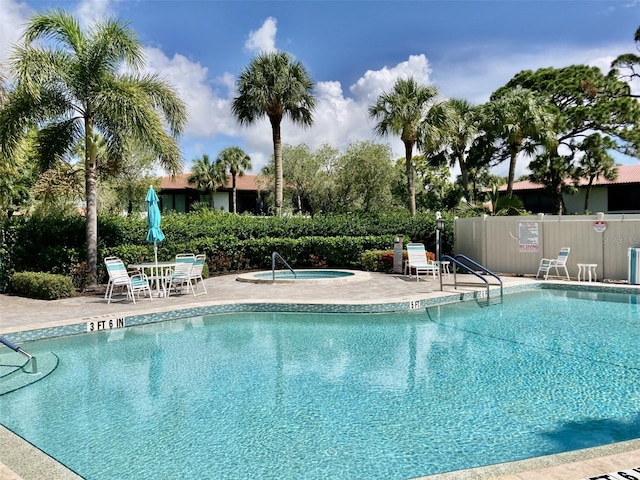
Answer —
(275, 255)
(16, 348)
(479, 271)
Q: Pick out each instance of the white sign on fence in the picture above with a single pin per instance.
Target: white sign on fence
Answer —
(528, 237)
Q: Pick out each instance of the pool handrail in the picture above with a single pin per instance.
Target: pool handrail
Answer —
(457, 261)
(16, 348)
(275, 255)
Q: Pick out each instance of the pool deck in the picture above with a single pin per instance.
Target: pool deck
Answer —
(21, 461)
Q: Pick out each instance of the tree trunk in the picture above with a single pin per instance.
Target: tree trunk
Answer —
(559, 201)
(513, 150)
(233, 193)
(411, 185)
(464, 179)
(586, 195)
(91, 203)
(277, 160)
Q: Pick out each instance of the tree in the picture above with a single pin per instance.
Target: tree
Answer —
(557, 173)
(236, 162)
(624, 67)
(596, 162)
(299, 168)
(323, 189)
(207, 175)
(364, 178)
(515, 120)
(404, 111)
(130, 181)
(458, 138)
(436, 192)
(275, 86)
(583, 101)
(73, 86)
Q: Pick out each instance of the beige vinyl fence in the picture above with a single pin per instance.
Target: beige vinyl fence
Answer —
(515, 245)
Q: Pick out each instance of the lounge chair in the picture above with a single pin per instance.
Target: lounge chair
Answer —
(119, 277)
(417, 261)
(546, 264)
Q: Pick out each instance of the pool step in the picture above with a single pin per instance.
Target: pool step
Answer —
(15, 372)
(488, 301)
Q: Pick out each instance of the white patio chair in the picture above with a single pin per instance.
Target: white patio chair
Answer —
(195, 275)
(418, 261)
(546, 264)
(119, 277)
(179, 276)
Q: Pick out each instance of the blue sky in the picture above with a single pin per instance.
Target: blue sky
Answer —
(354, 50)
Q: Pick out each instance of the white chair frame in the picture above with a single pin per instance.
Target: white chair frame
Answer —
(546, 264)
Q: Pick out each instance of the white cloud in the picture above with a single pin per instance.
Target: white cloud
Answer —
(373, 83)
(263, 39)
(89, 11)
(209, 113)
(13, 17)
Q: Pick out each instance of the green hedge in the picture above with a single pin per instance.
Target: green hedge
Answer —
(45, 286)
(226, 253)
(231, 242)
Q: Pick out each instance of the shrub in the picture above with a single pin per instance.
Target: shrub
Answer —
(375, 261)
(56, 244)
(380, 260)
(80, 274)
(45, 286)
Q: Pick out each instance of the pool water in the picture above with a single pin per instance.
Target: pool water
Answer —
(315, 396)
(304, 274)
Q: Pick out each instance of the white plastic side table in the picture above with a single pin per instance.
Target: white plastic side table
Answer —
(444, 267)
(587, 270)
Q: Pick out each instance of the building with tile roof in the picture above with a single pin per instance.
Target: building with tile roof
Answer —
(621, 195)
(177, 194)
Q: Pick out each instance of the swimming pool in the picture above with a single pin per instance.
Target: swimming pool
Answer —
(272, 395)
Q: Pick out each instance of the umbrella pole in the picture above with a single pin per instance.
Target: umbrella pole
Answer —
(155, 254)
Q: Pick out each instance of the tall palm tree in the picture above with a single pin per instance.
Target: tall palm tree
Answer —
(275, 86)
(403, 111)
(234, 160)
(458, 138)
(73, 86)
(521, 121)
(206, 175)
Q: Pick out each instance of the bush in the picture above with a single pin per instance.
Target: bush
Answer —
(380, 260)
(45, 286)
(231, 242)
(377, 261)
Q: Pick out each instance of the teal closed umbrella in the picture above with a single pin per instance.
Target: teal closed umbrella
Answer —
(154, 218)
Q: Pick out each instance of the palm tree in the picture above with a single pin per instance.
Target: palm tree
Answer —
(236, 162)
(403, 111)
(463, 130)
(206, 175)
(74, 86)
(275, 86)
(520, 120)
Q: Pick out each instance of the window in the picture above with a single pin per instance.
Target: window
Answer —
(623, 198)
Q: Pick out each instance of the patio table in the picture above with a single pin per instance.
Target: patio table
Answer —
(158, 270)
